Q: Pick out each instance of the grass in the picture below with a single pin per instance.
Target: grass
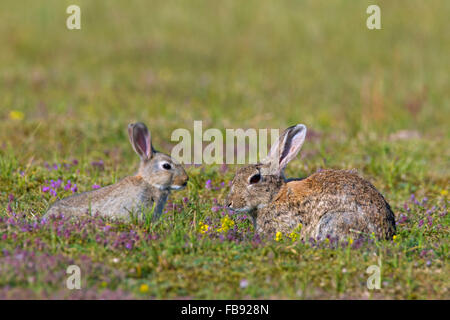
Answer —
(373, 100)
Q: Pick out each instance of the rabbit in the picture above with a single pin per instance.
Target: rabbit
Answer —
(330, 203)
(158, 174)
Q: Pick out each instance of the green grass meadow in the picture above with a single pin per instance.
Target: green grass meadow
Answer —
(374, 100)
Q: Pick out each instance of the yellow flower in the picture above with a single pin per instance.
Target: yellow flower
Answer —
(350, 241)
(444, 192)
(395, 238)
(143, 288)
(327, 240)
(278, 236)
(16, 115)
(104, 284)
(203, 227)
(227, 224)
(298, 228)
(293, 236)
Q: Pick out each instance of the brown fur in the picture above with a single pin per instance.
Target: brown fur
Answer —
(335, 203)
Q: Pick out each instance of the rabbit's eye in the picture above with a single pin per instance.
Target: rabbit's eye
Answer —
(167, 166)
(254, 178)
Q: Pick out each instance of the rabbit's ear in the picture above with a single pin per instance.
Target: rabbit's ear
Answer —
(140, 140)
(286, 148)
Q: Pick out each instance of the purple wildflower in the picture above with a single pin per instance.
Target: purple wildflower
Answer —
(403, 219)
(55, 184)
(10, 200)
(129, 245)
(244, 283)
(53, 192)
(406, 207)
(68, 185)
(423, 253)
(98, 164)
(223, 168)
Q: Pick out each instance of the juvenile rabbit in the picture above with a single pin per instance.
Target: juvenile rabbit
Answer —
(158, 174)
(335, 203)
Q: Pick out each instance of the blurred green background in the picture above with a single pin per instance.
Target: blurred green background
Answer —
(232, 64)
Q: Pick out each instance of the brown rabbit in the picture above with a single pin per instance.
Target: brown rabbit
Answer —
(334, 203)
(158, 174)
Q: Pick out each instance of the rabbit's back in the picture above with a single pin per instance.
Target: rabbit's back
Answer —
(338, 203)
(117, 200)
